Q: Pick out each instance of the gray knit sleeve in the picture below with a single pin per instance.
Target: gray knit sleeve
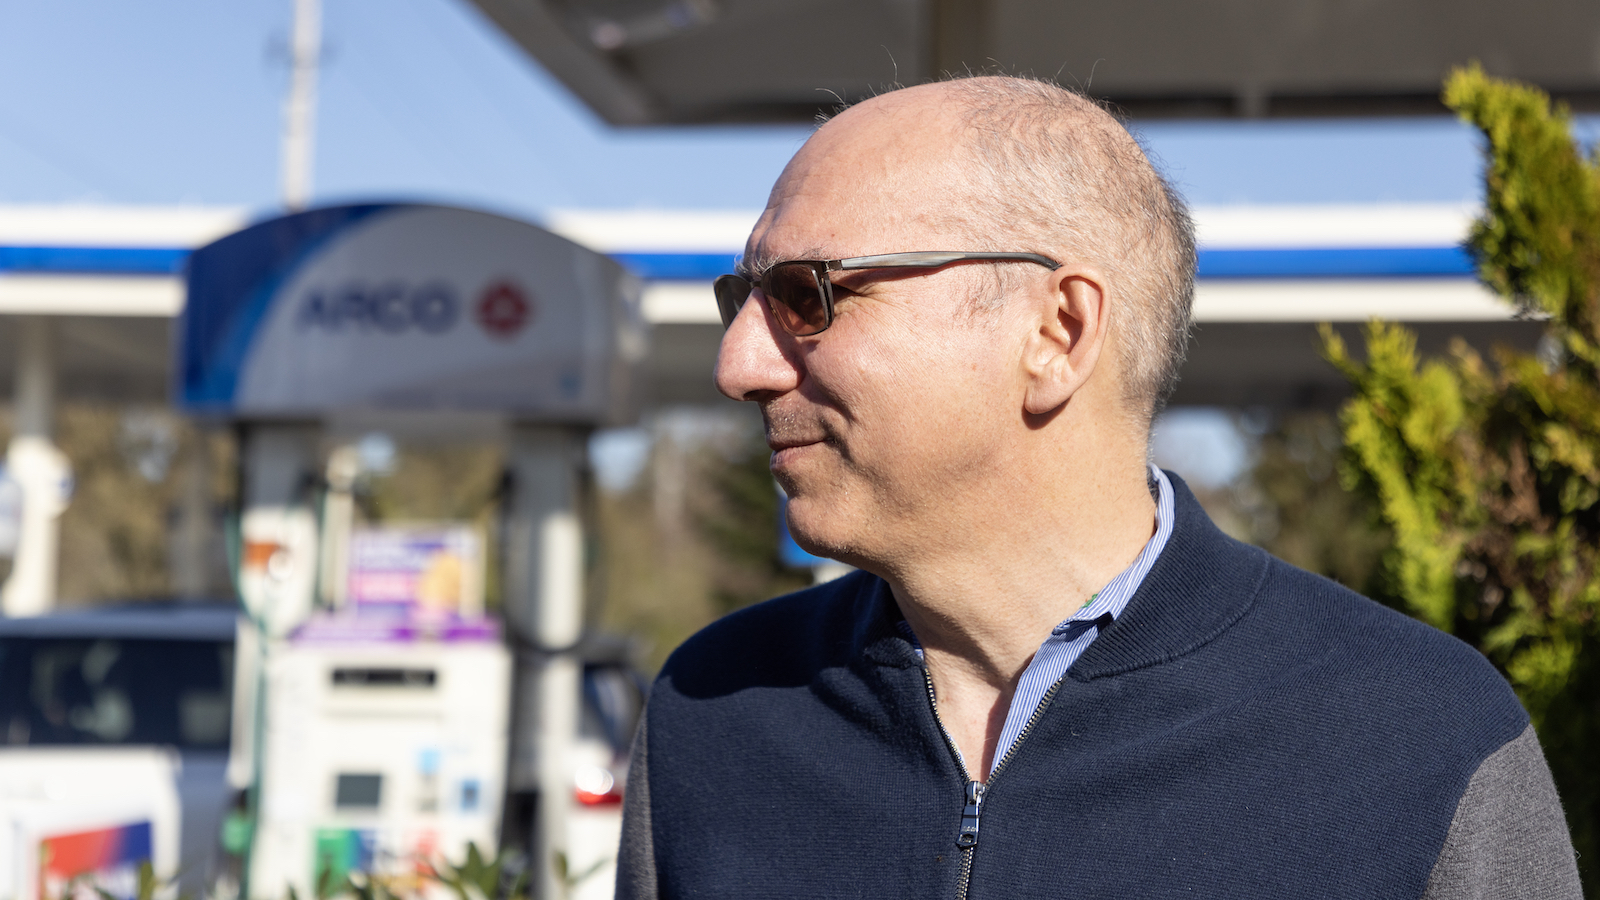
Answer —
(1508, 838)
(636, 859)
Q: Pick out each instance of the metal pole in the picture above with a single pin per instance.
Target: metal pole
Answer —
(41, 471)
(300, 106)
(544, 607)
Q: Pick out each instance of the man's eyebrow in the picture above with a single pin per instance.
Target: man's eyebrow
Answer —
(759, 262)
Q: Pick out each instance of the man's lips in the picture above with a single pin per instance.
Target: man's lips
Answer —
(785, 450)
(789, 443)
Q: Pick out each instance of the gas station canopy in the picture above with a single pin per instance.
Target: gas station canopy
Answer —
(1268, 275)
(680, 61)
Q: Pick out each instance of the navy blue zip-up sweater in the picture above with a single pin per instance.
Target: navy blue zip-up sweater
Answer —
(1244, 729)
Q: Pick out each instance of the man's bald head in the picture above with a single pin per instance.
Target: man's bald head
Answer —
(1015, 164)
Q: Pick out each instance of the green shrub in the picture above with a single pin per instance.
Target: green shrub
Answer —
(1487, 471)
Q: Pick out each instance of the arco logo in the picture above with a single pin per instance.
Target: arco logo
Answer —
(393, 307)
(504, 310)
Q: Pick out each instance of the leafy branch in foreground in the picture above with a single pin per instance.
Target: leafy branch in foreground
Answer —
(1488, 471)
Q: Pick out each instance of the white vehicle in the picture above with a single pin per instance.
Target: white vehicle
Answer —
(114, 738)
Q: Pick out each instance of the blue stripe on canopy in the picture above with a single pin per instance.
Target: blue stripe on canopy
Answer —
(94, 260)
(1337, 262)
(1327, 262)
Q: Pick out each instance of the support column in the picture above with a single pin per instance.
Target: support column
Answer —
(193, 538)
(544, 607)
(40, 470)
(278, 528)
(338, 520)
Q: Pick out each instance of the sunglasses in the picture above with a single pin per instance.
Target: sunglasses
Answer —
(801, 296)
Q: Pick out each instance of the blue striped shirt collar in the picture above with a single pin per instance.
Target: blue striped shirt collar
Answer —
(1068, 640)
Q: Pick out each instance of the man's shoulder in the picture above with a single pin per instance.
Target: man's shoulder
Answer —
(785, 640)
(1258, 613)
(1380, 650)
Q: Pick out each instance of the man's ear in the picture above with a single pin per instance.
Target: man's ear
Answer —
(1071, 332)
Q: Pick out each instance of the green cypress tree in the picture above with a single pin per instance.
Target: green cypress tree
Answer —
(1487, 471)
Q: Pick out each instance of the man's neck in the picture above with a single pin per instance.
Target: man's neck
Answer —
(982, 608)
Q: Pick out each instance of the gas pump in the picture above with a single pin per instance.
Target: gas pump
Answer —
(369, 738)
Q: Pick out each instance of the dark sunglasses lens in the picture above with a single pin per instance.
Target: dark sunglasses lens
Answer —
(796, 298)
(731, 291)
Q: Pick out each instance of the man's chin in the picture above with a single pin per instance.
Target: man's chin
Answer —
(819, 529)
(811, 545)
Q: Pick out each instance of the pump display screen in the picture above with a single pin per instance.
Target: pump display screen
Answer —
(357, 790)
(102, 691)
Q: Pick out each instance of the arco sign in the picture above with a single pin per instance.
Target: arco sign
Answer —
(407, 307)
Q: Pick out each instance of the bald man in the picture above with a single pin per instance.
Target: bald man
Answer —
(1053, 676)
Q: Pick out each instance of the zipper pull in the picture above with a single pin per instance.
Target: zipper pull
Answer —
(968, 838)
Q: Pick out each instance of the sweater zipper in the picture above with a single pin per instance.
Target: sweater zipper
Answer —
(972, 809)
(967, 838)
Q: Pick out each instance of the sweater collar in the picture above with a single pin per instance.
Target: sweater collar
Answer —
(1201, 583)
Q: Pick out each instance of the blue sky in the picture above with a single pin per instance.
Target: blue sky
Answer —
(177, 101)
(166, 101)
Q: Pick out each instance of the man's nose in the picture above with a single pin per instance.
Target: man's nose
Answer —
(757, 358)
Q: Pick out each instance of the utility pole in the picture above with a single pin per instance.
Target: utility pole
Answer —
(300, 106)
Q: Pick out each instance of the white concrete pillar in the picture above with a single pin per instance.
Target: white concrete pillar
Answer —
(544, 606)
(40, 470)
(278, 528)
